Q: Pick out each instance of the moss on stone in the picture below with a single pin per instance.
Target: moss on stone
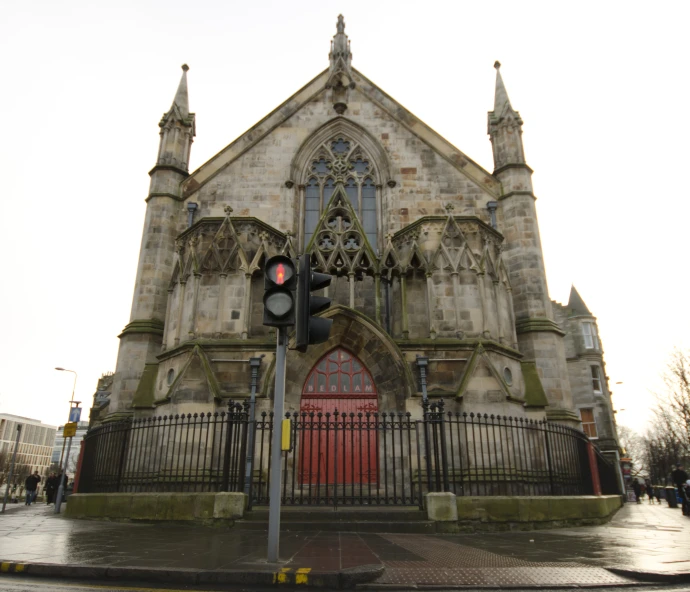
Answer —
(535, 396)
(144, 396)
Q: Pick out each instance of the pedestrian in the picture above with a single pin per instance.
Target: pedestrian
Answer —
(637, 489)
(657, 494)
(685, 497)
(650, 491)
(679, 477)
(51, 489)
(31, 485)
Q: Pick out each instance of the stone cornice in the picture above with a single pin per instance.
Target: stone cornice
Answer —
(248, 345)
(169, 167)
(170, 195)
(447, 344)
(144, 326)
(537, 325)
(558, 414)
(512, 165)
(209, 220)
(426, 219)
(513, 193)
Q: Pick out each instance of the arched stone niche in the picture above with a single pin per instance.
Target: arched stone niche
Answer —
(361, 337)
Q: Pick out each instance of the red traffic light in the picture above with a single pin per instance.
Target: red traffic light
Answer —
(280, 270)
(280, 276)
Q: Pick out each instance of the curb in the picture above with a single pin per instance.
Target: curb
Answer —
(673, 577)
(304, 576)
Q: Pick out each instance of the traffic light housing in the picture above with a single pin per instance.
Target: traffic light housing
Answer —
(310, 330)
(280, 279)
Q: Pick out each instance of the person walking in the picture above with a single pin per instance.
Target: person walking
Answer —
(679, 477)
(31, 485)
(51, 489)
(637, 489)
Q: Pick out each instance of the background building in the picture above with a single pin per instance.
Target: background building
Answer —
(82, 428)
(35, 446)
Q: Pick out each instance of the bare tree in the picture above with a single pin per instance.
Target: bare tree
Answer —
(668, 441)
(635, 447)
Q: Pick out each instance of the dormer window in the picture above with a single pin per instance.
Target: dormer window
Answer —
(589, 335)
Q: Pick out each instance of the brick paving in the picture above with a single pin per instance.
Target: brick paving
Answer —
(640, 537)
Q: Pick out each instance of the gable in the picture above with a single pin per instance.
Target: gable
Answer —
(364, 92)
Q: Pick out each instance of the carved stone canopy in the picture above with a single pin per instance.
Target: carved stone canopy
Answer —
(223, 245)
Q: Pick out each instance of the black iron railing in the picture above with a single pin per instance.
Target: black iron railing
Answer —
(345, 458)
(184, 453)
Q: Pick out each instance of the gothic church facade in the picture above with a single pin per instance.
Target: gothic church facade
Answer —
(433, 258)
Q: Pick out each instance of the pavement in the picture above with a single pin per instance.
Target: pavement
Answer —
(642, 544)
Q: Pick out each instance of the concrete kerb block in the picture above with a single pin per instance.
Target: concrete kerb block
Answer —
(442, 506)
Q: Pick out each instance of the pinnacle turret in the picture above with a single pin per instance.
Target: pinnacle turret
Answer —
(177, 129)
(505, 127)
(340, 70)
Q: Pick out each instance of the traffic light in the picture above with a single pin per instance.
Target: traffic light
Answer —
(279, 292)
(308, 329)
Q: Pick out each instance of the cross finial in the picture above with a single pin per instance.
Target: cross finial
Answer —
(449, 207)
(228, 210)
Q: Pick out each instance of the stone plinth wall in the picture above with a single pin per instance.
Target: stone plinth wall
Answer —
(196, 507)
(519, 513)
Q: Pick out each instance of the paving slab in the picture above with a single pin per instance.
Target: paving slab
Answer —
(643, 543)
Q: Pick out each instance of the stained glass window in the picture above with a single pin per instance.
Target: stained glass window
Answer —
(341, 162)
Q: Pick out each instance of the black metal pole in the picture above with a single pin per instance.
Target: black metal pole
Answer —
(254, 364)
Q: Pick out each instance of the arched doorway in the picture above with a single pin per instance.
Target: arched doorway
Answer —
(339, 441)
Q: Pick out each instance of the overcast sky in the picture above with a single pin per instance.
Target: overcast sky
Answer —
(601, 87)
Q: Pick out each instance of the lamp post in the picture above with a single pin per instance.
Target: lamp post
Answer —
(74, 386)
(61, 487)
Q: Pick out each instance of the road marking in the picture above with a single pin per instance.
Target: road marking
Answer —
(302, 575)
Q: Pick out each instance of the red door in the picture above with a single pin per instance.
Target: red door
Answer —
(341, 447)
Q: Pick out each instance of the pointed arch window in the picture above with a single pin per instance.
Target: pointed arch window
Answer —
(341, 161)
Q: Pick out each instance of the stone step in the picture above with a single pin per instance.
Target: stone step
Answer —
(340, 515)
(410, 527)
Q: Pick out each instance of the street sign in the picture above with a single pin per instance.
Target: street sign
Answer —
(75, 414)
(70, 429)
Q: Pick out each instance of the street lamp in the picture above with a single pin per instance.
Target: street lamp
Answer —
(61, 487)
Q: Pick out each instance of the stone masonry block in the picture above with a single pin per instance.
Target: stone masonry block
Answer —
(442, 507)
(229, 505)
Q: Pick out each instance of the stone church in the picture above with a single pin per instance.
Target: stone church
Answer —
(438, 289)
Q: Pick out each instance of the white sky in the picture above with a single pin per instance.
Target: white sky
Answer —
(601, 87)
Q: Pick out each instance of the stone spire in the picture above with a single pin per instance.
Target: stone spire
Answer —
(501, 100)
(340, 70)
(182, 97)
(177, 129)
